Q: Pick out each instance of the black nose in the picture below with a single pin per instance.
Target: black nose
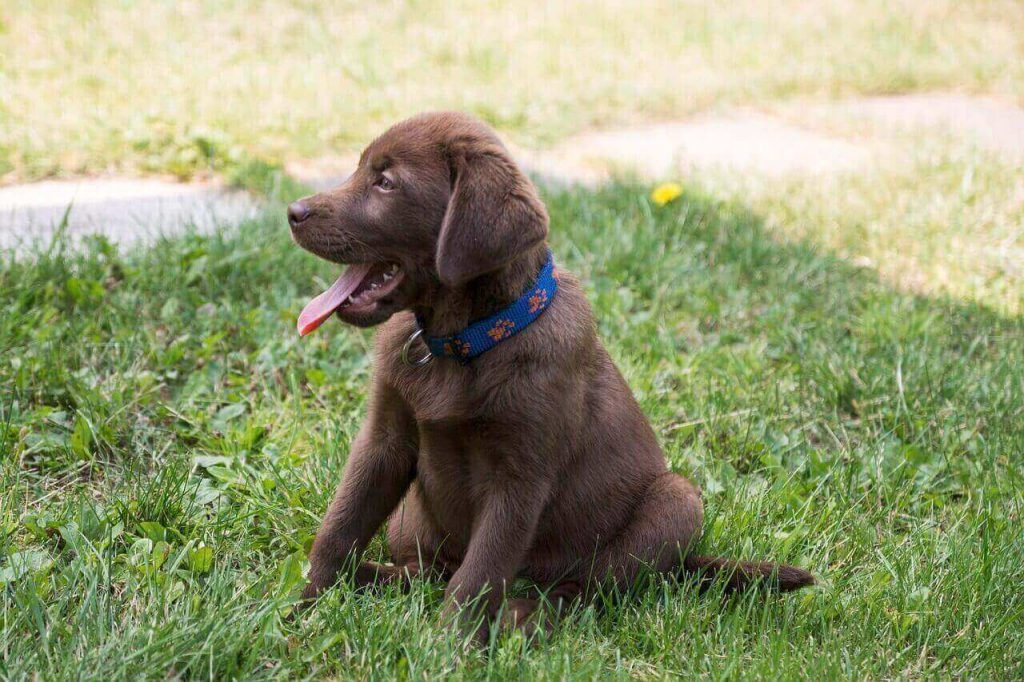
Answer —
(298, 211)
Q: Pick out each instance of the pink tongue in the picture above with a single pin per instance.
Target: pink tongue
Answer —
(324, 305)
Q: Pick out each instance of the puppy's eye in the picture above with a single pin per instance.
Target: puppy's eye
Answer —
(385, 183)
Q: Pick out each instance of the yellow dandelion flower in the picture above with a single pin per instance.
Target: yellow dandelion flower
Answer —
(666, 192)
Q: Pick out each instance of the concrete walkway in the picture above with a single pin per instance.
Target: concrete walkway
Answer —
(991, 124)
(128, 211)
(746, 142)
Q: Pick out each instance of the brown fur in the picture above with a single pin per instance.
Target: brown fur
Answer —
(533, 460)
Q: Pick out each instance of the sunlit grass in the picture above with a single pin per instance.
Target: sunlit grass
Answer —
(189, 87)
(929, 216)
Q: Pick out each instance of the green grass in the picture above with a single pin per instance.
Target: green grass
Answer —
(167, 445)
(188, 88)
(943, 219)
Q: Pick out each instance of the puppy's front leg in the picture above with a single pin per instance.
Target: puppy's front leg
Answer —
(496, 551)
(381, 465)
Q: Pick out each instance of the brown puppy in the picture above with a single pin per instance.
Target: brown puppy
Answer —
(532, 460)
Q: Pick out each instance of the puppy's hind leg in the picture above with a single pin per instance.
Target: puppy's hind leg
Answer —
(664, 526)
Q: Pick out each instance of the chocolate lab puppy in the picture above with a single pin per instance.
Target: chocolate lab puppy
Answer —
(500, 440)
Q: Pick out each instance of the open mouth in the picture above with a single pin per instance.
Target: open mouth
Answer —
(359, 289)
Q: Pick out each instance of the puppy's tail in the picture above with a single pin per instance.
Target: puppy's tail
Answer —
(739, 575)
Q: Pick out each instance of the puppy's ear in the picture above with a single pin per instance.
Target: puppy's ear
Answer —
(493, 215)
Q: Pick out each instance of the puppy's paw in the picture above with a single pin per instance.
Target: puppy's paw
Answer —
(467, 621)
(309, 594)
(525, 615)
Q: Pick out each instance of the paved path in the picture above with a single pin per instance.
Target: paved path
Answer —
(748, 142)
(989, 123)
(126, 211)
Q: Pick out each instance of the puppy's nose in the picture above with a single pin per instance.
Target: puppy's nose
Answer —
(298, 211)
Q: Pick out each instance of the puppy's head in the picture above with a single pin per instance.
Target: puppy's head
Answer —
(435, 202)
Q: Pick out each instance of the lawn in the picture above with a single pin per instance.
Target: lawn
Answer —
(190, 87)
(932, 216)
(168, 444)
(835, 359)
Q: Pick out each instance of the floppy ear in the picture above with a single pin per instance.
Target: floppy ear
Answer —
(493, 215)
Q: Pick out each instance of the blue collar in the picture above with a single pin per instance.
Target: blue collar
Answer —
(483, 335)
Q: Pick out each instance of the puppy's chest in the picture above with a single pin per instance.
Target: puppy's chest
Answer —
(455, 469)
(437, 394)
(441, 390)
(452, 450)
